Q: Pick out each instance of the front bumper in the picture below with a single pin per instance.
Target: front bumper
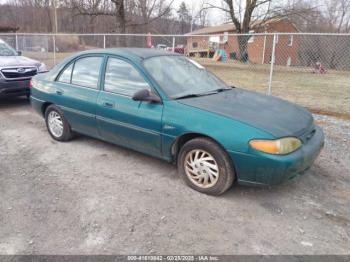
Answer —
(265, 169)
(14, 88)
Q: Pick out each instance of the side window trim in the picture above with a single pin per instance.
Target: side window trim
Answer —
(142, 74)
(72, 62)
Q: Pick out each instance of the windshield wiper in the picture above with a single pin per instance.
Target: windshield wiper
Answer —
(187, 96)
(203, 94)
(222, 89)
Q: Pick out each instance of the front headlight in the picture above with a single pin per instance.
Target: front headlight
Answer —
(281, 146)
(42, 68)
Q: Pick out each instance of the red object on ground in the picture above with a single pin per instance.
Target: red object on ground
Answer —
(180, 50)
(149, 40)
(319, 68)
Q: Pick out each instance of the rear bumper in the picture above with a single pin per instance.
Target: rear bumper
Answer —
(14, 88)
(266, 169)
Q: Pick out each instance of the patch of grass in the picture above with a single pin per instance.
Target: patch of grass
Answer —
(328, 93)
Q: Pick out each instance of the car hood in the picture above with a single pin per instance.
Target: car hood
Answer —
(273, 115)
(11, 61)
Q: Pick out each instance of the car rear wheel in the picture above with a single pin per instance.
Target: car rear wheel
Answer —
(57, 125)
(205, 166)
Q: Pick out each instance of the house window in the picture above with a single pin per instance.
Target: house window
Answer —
(290, 40)
(251, 38)
(194, 44)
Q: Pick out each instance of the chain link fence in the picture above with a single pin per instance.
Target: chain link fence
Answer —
(312, 70)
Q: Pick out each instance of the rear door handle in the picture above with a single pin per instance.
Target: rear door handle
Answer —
(59, 92)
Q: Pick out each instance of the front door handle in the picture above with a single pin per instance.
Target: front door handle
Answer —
(59, 92)
(108, 104)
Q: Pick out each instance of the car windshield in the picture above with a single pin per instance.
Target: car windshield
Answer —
(181, 77)
(6, 50)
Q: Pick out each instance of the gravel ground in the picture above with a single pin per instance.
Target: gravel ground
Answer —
(90, 197)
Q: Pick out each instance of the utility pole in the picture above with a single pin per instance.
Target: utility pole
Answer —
(55, 15)
(54, 3)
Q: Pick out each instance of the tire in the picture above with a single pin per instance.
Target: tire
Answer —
(66, 132)
(210, 155)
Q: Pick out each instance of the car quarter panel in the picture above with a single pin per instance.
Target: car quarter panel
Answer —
(77, 103)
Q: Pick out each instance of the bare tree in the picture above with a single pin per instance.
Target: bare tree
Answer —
(184, 16)
(90, 16)
(43, 21)
(202, 14)
(149, 11)
(126, 13)
(338, 15)
(198, 14)
(120, 16)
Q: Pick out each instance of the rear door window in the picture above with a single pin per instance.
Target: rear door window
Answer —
(86, 71)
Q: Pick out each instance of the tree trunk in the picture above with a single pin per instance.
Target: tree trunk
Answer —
(120, 22)
(243, 45)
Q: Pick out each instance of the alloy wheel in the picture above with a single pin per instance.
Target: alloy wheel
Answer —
(55, 124)
(201, 168)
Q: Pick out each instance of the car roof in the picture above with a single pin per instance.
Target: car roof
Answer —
(141, 53)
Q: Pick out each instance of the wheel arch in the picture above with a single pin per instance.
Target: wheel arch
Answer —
(44, 107)
(184, 138)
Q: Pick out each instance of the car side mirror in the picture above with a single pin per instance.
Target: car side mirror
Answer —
(146, 95)
(19, 53)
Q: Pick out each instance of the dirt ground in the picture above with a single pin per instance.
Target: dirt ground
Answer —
(90, 197)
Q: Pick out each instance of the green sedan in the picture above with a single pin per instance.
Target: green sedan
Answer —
(170, 107)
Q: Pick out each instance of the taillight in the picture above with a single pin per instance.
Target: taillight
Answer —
(30, 84)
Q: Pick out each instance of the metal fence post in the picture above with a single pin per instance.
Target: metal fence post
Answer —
(264, 49)
(54, 49)
(273, 55)
(16, 43)
(173, 44)
(104, 41)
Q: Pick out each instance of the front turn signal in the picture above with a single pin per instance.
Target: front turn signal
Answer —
(281, 146)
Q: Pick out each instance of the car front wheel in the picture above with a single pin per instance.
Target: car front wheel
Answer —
(205, 166)
(56, 124)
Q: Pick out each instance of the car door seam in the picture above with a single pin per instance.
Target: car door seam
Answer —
(77, 111)
(115, 122)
